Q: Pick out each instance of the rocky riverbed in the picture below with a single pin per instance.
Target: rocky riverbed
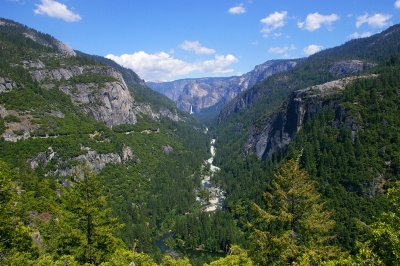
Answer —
(210, 196)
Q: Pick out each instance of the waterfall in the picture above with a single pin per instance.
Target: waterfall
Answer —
(191, 109)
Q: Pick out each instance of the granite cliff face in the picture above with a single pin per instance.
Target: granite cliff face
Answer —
(265, 70)
(55, 96)
(93, 160)
(349, 67)
(95, 85)
(280, 127)
(248, 98)
(195, 95)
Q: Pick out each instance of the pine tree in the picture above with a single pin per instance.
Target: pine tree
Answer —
(384, 235)
(87, 228)
(236, 256)
(16, 246)
(294, 228)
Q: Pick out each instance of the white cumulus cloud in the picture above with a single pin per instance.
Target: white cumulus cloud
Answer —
(312, 49)
(237, 10)
(377, 20)
(314, 21)
(397, 4)
(163, 66)
(196, 47)
(357, 35)
(273, 21)
(55, 9)
(284, 50)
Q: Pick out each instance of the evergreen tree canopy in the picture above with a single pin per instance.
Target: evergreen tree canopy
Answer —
(294, 227)
(384, 235)
(84, 228)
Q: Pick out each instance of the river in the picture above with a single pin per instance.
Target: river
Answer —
(210, 196)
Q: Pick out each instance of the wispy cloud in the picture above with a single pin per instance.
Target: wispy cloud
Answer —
(237, 10)
(282, 50)
(163, 66)
(55, 9)
(314, 21)
(357, 35)
(196, 47)
(273, 22)
(397, 4)
(377, 20)
(312, 49)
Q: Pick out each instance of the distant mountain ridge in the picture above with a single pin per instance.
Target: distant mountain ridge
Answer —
(199, 94)
(248, 116)
(337, 114)
(349, 59)
(63, 113)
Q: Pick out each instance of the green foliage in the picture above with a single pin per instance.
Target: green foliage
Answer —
(123, 257)
(294, 227)
(11, 118)
(169, 261)
(86, 227)
(204, 231)
(350, 149)
(237, 256)
(16, 243)
(383, 242)
(71, 224)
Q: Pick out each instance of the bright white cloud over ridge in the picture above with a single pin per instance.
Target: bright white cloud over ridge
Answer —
(312, 49)
(162, 66)
(314, 21)
(181, 39)
(377, 20)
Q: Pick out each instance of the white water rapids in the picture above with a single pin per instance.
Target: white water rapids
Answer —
(216, 195)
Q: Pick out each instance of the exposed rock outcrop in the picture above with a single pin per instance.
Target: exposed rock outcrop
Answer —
(50, 75)
(103, 89)
(195, 95)
(95, 161)
(110, 102)
(280, 127)
(33, 64)
(19, 129)
(50, 42)
(7, 84)
(349, 67)
(167, 149)
(265, 70)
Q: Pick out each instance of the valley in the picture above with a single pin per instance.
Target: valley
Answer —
(296, 162)
(205, 97)
(211, 196)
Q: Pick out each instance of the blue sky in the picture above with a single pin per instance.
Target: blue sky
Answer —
(173, 39)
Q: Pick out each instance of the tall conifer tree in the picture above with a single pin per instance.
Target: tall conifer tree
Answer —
(294, 228)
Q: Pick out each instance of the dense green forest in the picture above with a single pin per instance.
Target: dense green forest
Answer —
(75, 225)
(149, 193)
(351, 171)
(330, 198)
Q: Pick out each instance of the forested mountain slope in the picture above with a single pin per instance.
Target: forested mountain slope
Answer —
(337, 114)
(96, 169)
(62, 110)
(249, 111)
